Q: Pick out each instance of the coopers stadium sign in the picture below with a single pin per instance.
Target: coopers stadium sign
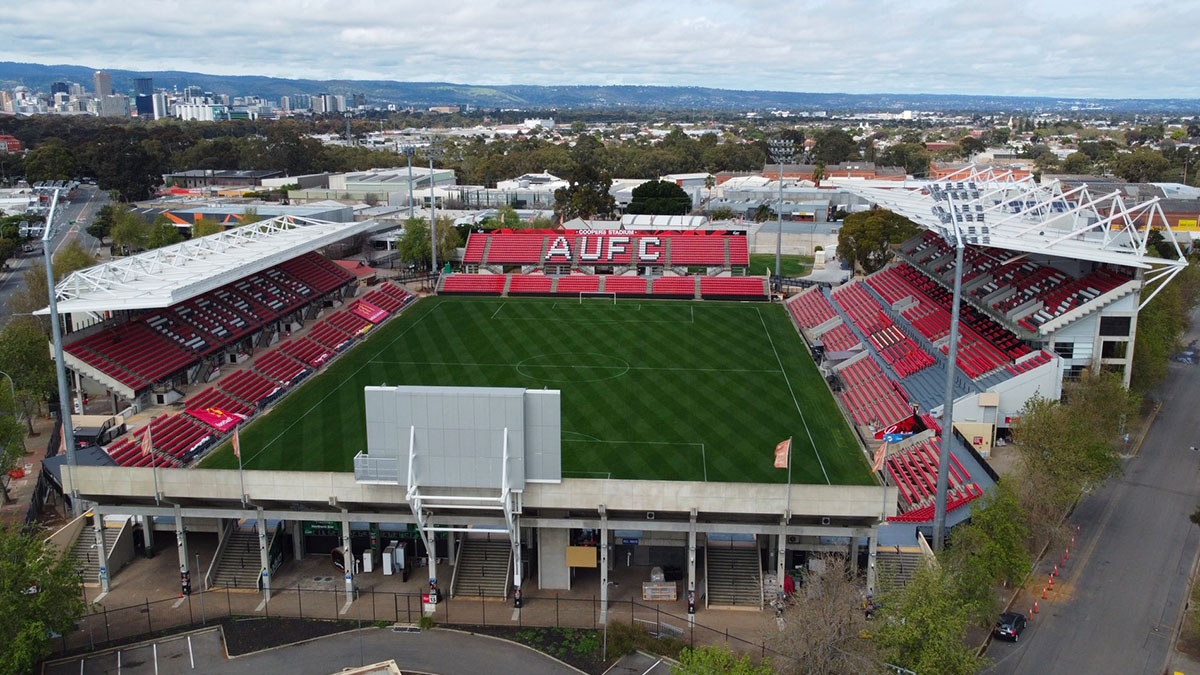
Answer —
(606, 248)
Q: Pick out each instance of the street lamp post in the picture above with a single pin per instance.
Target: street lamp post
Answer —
(939, 509)
(782, 150)
(64, 408)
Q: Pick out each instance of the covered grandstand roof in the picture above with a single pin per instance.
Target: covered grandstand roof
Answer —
(172, 274)
(994, 208)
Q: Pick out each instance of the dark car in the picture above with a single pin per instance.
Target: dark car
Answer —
(1009, 626)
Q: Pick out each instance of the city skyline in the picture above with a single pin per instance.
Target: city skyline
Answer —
(1063, 49)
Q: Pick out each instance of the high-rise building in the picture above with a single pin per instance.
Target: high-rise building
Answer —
(160, 106)
(143, 87)
(102, 83)
(60, 88)
(360, 100)
(301, 102)
(285, 103)
(77, 89)
(114, 106)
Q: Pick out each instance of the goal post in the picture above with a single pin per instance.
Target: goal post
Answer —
(597, 295)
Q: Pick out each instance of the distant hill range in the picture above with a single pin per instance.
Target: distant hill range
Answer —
(40, 77)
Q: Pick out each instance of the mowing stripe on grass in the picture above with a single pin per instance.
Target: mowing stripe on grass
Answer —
(793, 393)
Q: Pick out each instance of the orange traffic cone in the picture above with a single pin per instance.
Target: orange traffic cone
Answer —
(1051, 584)
(1035, 607)
(1031, 614)
(1055, 572)
(1043, 595)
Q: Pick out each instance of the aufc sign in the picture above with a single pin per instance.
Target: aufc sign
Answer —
(611, 248)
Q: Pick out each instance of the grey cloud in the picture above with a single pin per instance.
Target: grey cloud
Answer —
(1069, 48)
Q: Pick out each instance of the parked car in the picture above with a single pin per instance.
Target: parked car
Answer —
(1009, 626)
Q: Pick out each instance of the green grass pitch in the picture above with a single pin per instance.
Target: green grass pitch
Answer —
(667, 390)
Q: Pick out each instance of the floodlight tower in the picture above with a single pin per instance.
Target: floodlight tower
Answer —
(410, 150)
(953, 235)
(433, 151)
(64, 401)
(782, 150)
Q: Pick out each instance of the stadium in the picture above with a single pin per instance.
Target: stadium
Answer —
(574, 399)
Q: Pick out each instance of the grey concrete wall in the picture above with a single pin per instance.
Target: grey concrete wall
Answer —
(553, 573)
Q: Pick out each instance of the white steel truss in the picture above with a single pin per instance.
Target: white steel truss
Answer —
(424, 505)
(990, 207)
(171, 274)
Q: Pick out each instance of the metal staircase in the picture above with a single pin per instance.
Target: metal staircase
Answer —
(733, 577)
(483, 568)
(240, 564)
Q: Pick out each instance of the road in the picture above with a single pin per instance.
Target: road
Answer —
(87, 200)
(1116, 609)
(437, 651)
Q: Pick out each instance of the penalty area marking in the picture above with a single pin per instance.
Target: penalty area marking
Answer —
(703, 453)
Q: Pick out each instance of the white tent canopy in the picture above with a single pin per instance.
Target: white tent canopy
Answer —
(172, 274)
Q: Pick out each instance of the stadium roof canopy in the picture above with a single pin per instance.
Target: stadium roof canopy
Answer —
(172, 274)
(993, 208)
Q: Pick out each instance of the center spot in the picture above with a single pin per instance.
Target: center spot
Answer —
(573, 367)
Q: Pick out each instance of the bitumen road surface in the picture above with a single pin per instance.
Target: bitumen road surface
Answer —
(439, 651)
(81, 210)
(1117, 608)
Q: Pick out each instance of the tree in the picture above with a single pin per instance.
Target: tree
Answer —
(988, 550)
(1141, 166)
(716, 660)
(414, 244)
(763, 213)
(32, 294)
(1077, 163)
(12, 438)
(1071, 444)
(163, 232)
(250, 215)
(833, 146)
(40, 594)
(371, 199)
(203, 227)
(7, 248)
(129, 230)
(1161, 323)
(123, 164)
(71, 258)
(971, 146)
(24, 356)
(50, 160)
(866, 237)
(102, 224)
(913, 157)
(818, 173)
(923, 626)
(825, 623)
(721, 213)
(659, 198)
(584, 200)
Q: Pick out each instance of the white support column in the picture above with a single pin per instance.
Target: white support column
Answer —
(872, 567)
(781, 554)
(148, 536)
(101, 550)
(515, 536)
(185, 577)
(691, 569)
(603, 565)
(297, 540)
(264, 556)
(853, 553)
(347, 557)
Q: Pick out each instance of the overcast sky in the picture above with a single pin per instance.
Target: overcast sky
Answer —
(1103, 48)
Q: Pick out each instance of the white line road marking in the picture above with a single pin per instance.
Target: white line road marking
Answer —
(497, 310)
(793, 393)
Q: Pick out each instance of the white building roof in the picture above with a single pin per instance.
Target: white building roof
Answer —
(172, 274)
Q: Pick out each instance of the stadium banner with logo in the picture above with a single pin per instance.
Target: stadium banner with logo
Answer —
(910, 425)
(781, 454)
(368, 311)
(221, 420)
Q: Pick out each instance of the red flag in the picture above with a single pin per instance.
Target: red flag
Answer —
(781, 454)
(880, 455)
(147, 442)
(237, 445)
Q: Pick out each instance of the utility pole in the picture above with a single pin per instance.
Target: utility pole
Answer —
(409, 151)
(64, 395)
(433, 150)
(943, 479)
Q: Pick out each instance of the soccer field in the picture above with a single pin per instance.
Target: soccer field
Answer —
(650, 389)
